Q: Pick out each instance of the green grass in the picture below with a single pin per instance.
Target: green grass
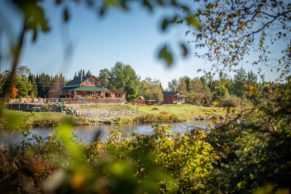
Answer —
(184, 111)
(17, 120)
(112, 107)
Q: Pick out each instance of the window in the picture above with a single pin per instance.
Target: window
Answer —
(118, 95)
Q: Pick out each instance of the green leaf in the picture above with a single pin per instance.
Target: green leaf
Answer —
(167, 21)
(58, 2)
(65, 134)
(34, 36)
(193, 22)
(147, 4)
(184, 49)
(166, 55)
(111, 2)
(164, 24)
(66, 15)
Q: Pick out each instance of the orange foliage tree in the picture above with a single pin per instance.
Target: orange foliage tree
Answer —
(14, 92)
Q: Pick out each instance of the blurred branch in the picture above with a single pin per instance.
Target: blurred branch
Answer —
(16, 54)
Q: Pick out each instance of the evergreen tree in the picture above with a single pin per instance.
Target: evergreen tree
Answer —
(104, 77)
(88, 74)
(240, 78)
(124, 78)
(33, 92)
(173, 85)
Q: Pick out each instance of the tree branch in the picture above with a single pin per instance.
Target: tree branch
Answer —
(266, 24)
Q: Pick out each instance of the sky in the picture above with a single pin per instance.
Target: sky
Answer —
(129, 37)
(95, 43)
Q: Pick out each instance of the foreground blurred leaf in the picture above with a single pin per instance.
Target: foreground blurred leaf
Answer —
(192, 21)
(78, 180)
(167, 21)
(184, 49)
(65, 134)
(12, 120)
(111, 2)
(148, 5)
(166, 55)
(66, 14)
(54, 180)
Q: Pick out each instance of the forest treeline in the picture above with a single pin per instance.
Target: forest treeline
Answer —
(204, 90)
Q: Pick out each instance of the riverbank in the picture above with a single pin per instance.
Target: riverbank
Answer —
(17, 120)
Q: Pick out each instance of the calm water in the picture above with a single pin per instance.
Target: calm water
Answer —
(87, 133)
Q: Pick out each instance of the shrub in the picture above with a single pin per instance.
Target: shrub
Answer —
(194, 98)
(160, 118)
(174, 118)
(198, 98)
(230, 101)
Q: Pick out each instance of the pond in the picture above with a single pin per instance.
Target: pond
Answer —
(86, 134)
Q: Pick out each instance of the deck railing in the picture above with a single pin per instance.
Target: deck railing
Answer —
(66, 100)
(89, 100)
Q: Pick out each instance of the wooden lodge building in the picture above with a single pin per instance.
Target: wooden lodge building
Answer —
(90, 90)
(174, 98)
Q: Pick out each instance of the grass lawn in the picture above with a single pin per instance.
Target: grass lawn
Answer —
(184, 111)
(17, 120)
